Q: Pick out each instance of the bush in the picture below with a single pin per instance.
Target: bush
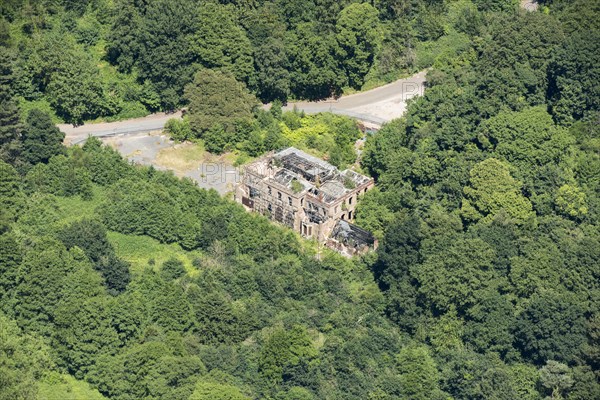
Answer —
(178, 129)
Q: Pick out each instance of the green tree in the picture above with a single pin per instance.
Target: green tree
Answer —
(170, 308)
(469, 375)
(570, 201)
(40, 279)
(172, 269)
(61, 176)
(282, 350)
(40, 214)
(217, 391)
(41, 138)
(217, 99)
(447, 332)
(152, 369)
(123, 47)
(220, 43)
(458, 275)
(551, 327)
(489, 325)
(418, 373)
(492, 189)
(128, 316)
(527, 138)
(75, 91)
(380, 148)
(24, 359)
(585, 383)
(556, 378)
(272, 80)
(69, 77)
(429, 23)
(84, 332)
(526, 379)
(497, 5)
(10, 123)
(372, 214)
(91, 237)
(537, 268)
(399, 250)
(10, 260)
(296, 393)
(530, 141)
(148, 208)
(216, 320)
(358, 37)
(5, 37)
(513, 59)
(178, 129)
(11, 197)
(163, 44)
(573, 94)
(314, 70)
(104, 164)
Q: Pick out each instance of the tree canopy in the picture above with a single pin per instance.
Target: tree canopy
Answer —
(122, 281)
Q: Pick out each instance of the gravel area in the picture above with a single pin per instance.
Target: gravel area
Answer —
(143, 148)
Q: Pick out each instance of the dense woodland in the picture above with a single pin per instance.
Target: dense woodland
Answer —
(123, 282)
(81, 60)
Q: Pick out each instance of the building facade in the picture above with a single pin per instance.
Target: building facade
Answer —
(309, 195)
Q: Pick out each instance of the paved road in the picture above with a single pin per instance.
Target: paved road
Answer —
(378, 105)
(150, 123)
(374, 106)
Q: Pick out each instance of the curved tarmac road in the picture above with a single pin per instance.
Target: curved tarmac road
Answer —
(373, 107)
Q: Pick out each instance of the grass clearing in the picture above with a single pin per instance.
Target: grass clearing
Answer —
(182, 157)
(139, 250)
(75, 208)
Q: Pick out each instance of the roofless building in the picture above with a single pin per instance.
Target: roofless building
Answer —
(308, 195)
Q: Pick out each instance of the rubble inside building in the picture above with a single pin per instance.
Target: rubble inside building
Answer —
(308, 195)
(350, 239)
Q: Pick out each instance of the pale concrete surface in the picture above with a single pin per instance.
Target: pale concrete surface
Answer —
(378, 105)
(150, 123)
(144, 147)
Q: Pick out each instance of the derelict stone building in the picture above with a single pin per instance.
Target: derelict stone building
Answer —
(309, 195)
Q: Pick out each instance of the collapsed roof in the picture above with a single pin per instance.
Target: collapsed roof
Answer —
(310, 167)
(323, 180)
(351, 235)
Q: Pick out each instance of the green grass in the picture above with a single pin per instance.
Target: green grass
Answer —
(25, 106)
(183, 157)
(65, 387)
(443, 50)
(139, 250)
(75, 208)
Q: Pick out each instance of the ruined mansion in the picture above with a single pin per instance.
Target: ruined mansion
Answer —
(308, 195)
